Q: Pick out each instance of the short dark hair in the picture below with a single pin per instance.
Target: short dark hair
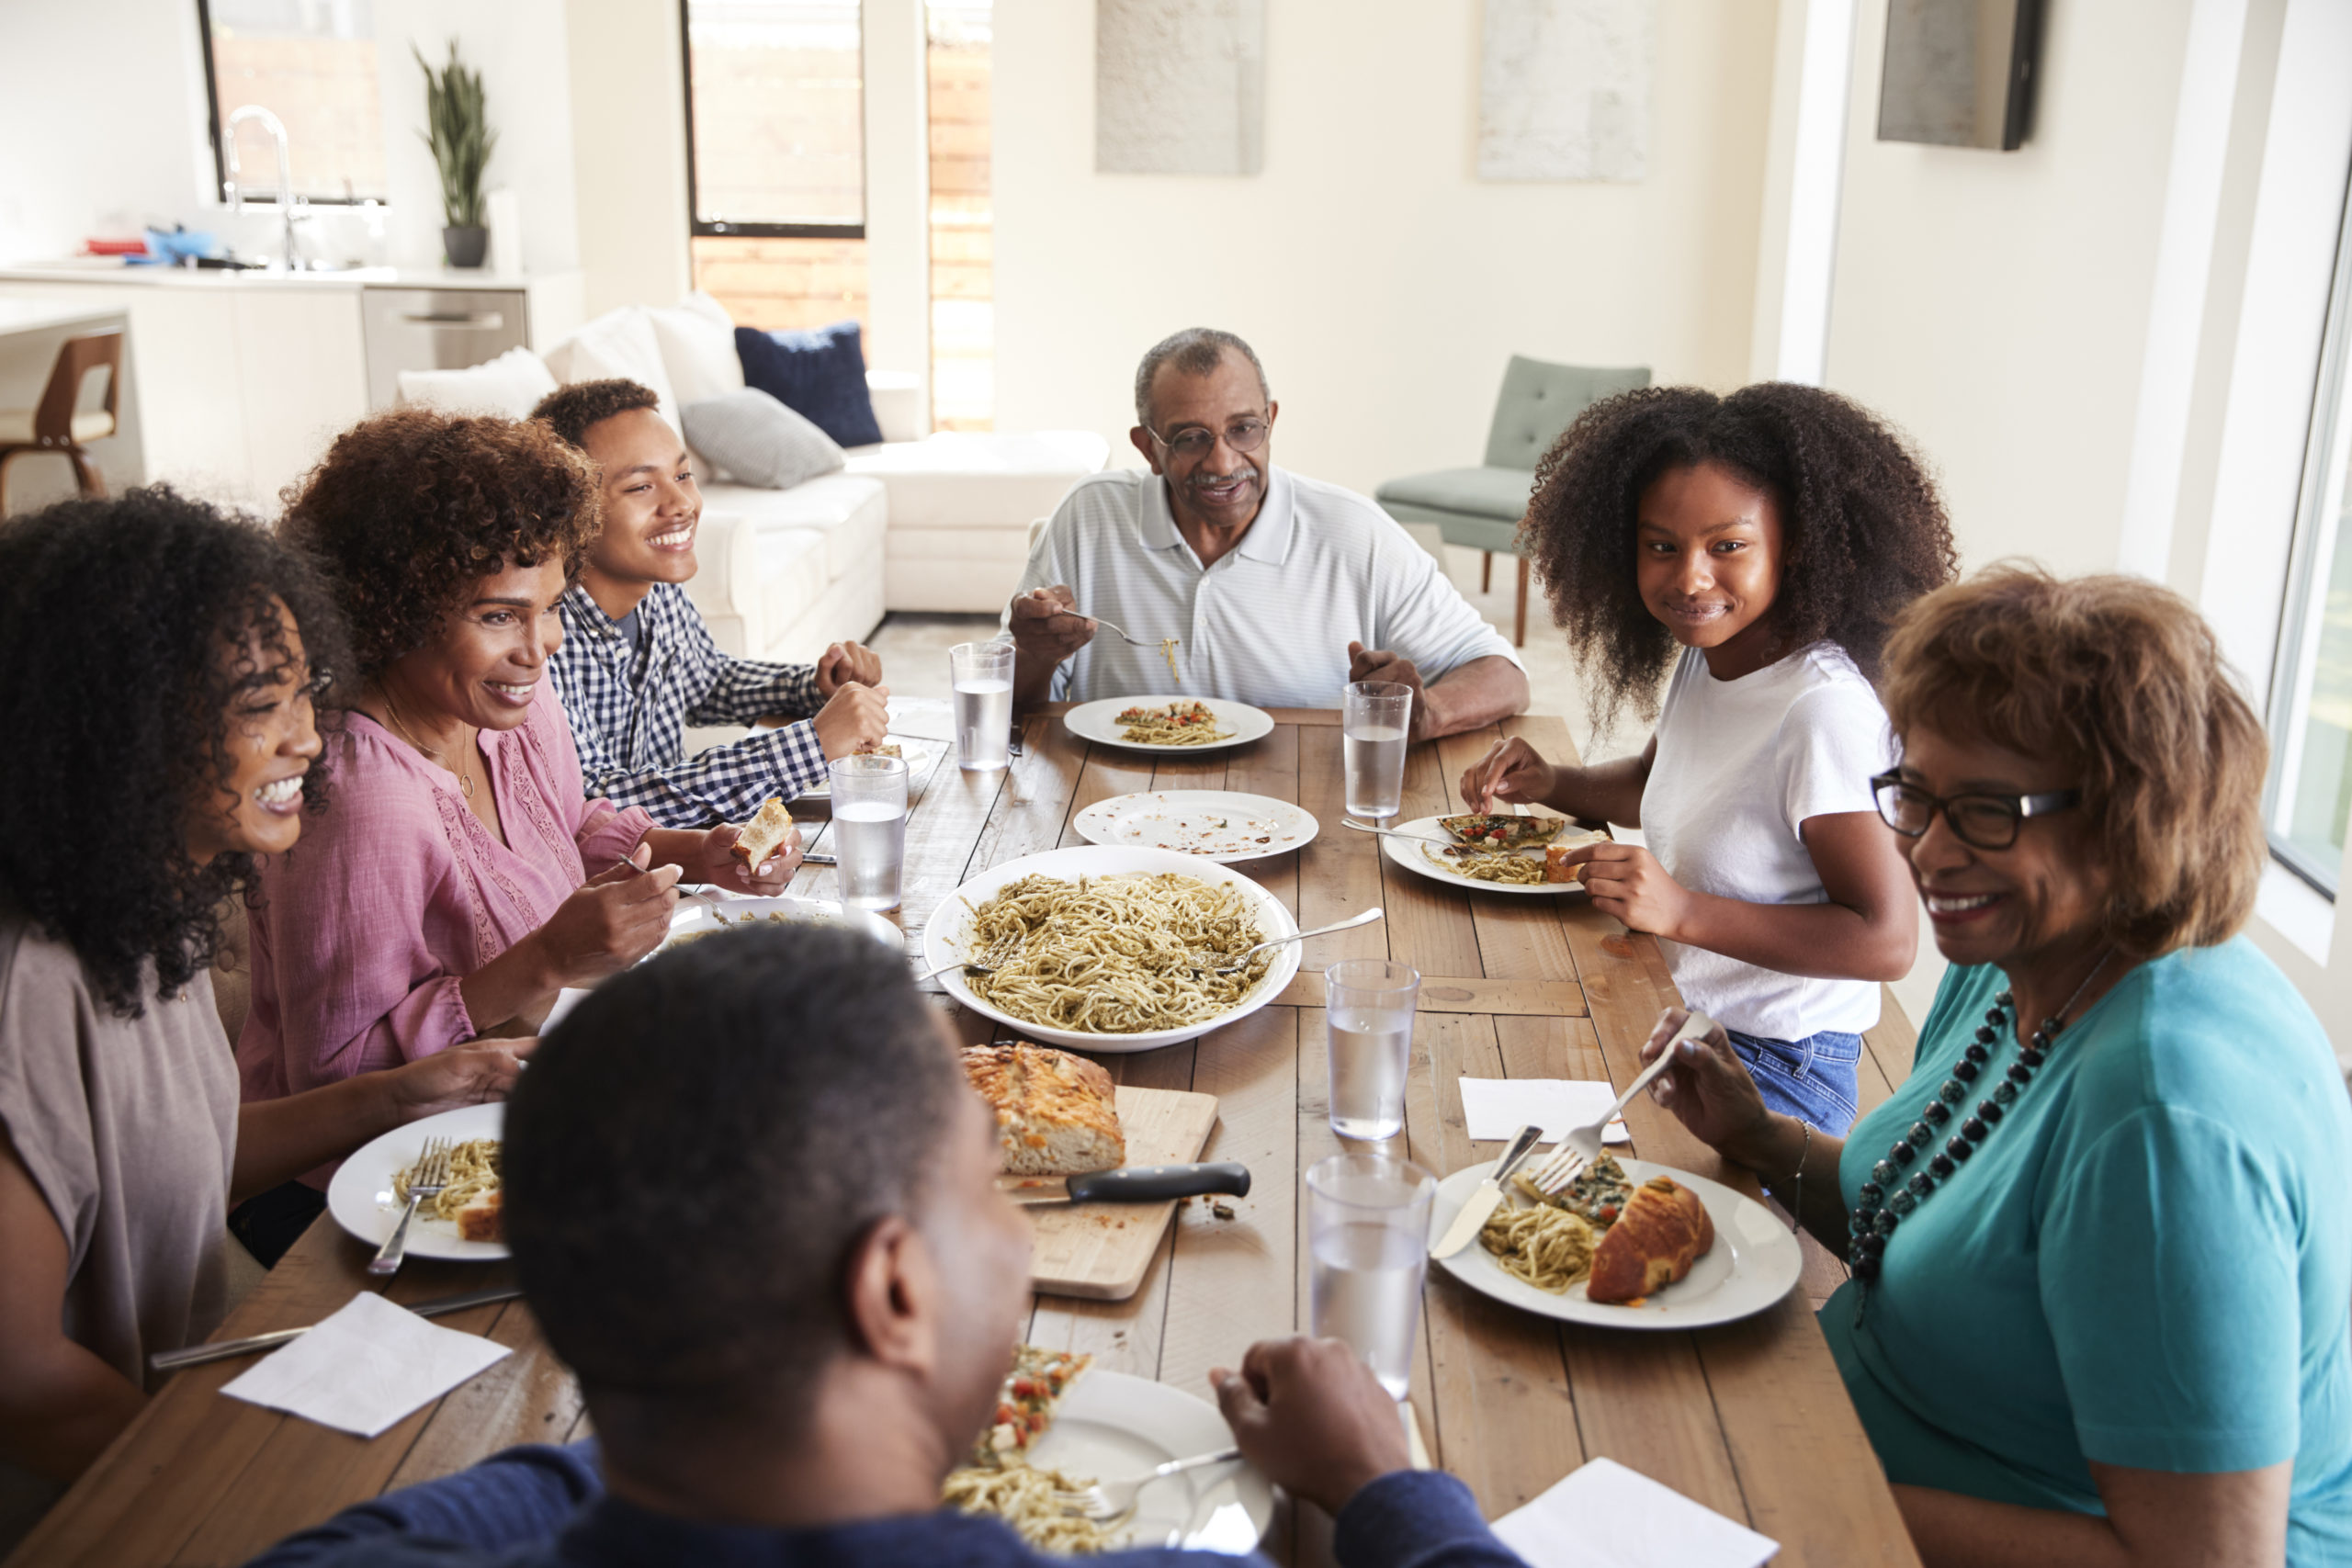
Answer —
(113, 618)
(1195, 351)
(411, 507)
(1865, 532)
(570, 412)
(697, 1147)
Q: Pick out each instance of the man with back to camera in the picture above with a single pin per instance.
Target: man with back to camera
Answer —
(779, 1265)
(1278, 588)
(638, 665)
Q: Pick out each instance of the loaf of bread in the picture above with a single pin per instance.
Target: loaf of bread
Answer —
(1055, 1114)
(1664, 1230)
(764, 834)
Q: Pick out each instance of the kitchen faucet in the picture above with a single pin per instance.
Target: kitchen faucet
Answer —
(288, 206)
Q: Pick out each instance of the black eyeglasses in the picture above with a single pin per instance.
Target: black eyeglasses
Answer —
(1981, 821)
(1242, 435)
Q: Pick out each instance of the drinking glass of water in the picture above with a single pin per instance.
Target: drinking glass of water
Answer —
(1379, 716)
(983, 674)
(869, 829)
(1369, 1004)
(1368, 1227)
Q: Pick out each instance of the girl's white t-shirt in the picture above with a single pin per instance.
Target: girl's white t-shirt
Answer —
(1741, 765)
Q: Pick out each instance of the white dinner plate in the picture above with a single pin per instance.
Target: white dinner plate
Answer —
(921, 753)
(1100, 721)
(1423, 857)
(1111, 1427)
(1753, 1263)
(948, 936)
(360, 1196)
(1215, 824)
(718, 914)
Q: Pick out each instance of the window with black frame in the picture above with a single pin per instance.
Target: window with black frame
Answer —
(775, 127)
(310, 67)
(2310, 788)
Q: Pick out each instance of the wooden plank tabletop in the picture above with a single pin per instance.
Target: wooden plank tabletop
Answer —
(1749, 1418)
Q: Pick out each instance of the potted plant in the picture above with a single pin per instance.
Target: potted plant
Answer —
(458, 129)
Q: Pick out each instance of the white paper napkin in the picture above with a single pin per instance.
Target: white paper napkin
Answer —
(1495, 1107)
(365, 1367)
(1605, 1516)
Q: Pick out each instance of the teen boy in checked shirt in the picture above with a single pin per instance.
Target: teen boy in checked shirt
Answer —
(638, 665)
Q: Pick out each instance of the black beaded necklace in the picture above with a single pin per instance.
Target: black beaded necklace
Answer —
(1887, 1197)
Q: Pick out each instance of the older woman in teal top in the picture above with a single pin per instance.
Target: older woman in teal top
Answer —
(2102, 1237)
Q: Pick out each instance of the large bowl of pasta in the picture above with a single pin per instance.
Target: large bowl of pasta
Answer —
(1105, 947)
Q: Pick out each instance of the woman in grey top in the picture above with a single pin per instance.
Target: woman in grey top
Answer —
(163, 662)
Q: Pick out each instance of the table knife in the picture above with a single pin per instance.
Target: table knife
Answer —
(198, 1355)
(1129, 1184)
(1489, 1197)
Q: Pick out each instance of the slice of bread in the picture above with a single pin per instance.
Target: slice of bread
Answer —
(1555, 864)
(764, 834)
(484, 1218)
(1055, 1114)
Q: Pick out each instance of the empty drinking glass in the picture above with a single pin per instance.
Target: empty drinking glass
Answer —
(982, 675)
(1369, 1005)
(1379, 715)
(869, 829)
(1368, 1228)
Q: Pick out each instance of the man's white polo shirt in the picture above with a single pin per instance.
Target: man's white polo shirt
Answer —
(1271, 621)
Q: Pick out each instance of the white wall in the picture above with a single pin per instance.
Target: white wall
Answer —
(1996, 305)
(68, 172)
(629, 152)
(1383, 286)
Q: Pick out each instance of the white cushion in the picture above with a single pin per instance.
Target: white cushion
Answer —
(17, 425)
(697, 351)
(971, 570)
(618, 344)
(977, 480)
(847, 514)
(509, 386)
(790, 564)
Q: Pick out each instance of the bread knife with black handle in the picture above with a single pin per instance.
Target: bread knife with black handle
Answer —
(1130, 1184)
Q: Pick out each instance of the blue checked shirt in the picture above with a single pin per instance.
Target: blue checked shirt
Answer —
(630, 708)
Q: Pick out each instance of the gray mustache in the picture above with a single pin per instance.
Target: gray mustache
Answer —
(1198, 480)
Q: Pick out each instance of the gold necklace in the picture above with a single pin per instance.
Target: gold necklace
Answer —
(465, 776)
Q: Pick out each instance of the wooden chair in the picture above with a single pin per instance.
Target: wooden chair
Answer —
(1480, 508)
(54, 426)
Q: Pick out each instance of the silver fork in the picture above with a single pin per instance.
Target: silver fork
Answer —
(432, 1175)
(1108, 1502)
(1582, 1145)
(1103, 625)
(1241, 959)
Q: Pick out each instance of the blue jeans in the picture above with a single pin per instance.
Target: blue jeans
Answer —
(1812, 1079)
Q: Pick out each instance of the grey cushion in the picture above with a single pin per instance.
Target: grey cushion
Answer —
(1539, 400)
(1498, 493)
(758, 441)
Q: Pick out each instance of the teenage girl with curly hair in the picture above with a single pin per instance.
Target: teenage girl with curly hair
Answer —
(1772, 536)
(163, 665)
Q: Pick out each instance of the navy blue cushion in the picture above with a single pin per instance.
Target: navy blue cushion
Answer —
(818, 374)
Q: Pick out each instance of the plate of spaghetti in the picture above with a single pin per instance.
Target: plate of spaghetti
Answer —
(1537, 1255)
(369, 1188)
(1109, 1426)
(1443, 858)
(1169, 723)
(1103, 946)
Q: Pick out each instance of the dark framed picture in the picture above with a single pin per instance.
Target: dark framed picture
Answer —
(1959, 73)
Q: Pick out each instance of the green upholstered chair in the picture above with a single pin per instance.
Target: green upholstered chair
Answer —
(1479, 508)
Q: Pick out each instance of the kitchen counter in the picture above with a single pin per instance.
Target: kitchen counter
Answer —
(111, 269)
(23, 316)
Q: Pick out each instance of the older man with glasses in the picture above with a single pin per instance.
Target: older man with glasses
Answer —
(1278, 590)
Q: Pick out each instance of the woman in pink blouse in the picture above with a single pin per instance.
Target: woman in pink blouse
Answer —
(459, 878)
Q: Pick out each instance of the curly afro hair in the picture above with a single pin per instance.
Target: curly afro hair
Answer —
(572, 410)
(128, 627)
(411, 507)
(1864, 531)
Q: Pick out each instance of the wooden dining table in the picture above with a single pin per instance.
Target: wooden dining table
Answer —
(1749, 1418)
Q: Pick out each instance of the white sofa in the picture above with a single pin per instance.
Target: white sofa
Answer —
(937, 523)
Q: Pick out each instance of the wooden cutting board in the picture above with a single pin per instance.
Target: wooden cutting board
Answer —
(1100, 1251)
